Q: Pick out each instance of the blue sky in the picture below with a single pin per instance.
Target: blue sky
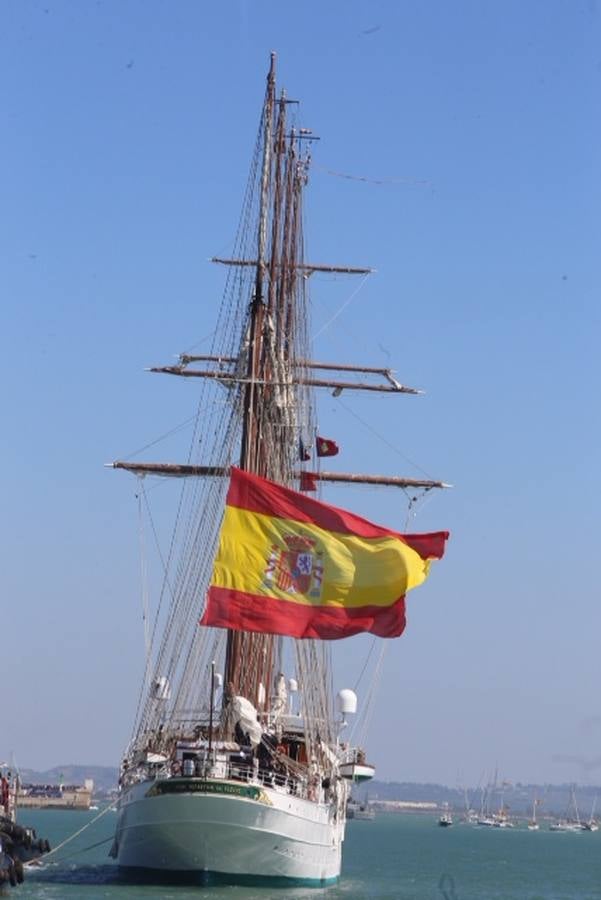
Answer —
(128, 129)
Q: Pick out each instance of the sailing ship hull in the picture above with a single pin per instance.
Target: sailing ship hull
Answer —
(232, 831)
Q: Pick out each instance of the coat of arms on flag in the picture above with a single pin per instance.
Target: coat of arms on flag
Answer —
(296, 567)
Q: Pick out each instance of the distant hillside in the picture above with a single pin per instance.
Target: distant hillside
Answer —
(104, 777)
(518, 798)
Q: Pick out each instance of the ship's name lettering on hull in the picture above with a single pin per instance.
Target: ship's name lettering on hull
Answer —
(176, 786)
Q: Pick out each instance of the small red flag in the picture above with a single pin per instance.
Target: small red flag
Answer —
(308, 481)
(326, 447)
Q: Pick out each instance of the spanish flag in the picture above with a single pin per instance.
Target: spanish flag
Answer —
(289, 564)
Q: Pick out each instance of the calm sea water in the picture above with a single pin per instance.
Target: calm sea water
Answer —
(395, 857)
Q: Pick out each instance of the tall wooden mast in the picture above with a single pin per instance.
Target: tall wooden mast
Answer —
(249, 424)
(247, 654)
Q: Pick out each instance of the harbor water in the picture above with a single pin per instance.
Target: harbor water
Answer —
(394, 857)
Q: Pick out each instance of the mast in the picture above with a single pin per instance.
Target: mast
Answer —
(249, 421)
(575, 805)
(244, 650)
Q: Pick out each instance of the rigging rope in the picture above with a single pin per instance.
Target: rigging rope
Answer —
(162, 437)
(143, 578)
(365, 664)
(383, 439)
(341, 308)
(414, 181)
(360, 727)
(200, 506)
(423, 499)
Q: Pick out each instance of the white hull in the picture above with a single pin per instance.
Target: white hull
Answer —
(357, 771)
(213, 829)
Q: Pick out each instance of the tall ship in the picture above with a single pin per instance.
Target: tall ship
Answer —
(239, 764)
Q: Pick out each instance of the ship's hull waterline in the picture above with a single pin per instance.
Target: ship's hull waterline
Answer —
(232, 831)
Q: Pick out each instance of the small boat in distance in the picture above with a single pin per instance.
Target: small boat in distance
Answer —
(365, 812)
(485, 817)
(499, 819)
(446, 819)
(533, 824)
(470, 815)
(565, 825)
(571, 823)
(592, 824)
(356, 809)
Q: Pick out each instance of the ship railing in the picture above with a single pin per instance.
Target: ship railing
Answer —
(354, 755)
(306, 787)
(278, 779)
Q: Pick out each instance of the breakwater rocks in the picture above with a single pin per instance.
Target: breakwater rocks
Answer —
(18, 845)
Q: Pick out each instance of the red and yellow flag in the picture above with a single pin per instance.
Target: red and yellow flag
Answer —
(289, 564)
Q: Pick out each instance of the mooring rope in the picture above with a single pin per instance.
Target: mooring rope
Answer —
(36, 862)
